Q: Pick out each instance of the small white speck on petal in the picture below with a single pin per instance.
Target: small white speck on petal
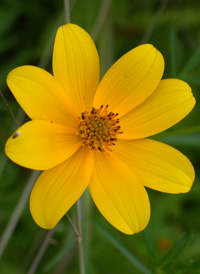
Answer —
(16, 134)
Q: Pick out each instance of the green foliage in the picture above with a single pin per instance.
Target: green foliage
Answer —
(124, 251)
(171, 243)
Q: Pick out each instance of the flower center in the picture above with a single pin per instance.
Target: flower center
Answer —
(98, 128)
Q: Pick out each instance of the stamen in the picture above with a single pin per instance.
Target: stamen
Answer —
(98, 128)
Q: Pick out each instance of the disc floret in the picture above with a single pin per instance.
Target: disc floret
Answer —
(98, 128)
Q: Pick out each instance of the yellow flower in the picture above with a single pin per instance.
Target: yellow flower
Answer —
(89, 134)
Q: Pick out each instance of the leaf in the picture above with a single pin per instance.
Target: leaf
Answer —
(194, 79)
(59, 256)
(174, 52)
(9, 42)
(150, 244)
(8, 17)
(190, 267)
(188, 140)
(124, 250)
(175, 251)
(191, 64)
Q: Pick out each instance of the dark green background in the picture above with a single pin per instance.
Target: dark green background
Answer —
(27, 31)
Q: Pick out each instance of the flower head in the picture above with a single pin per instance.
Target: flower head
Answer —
(84, 133)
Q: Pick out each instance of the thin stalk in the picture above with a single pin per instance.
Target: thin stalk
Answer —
(76, 232)
(80, 238)
(9, 109)
(64, 262)
(46, 56)
(152, 26)
(41, 251)
(100, 19)
(150, 243)
(88, 230)
(33, 249)
(24, 197)
(3, 157)
(17, 213)
(67, 11)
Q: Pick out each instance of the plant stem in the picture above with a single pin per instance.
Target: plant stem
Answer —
(41, 251)
(100, 19)
(33, 249)
(9, 109)
(154, 22)
(76, 232)
(80, 238)
(67, 11)
(17, 213)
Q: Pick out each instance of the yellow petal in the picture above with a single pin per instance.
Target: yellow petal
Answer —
(130, 80)
(167, 105)
(57, 189)
(157, 165)
(76, 65)
(41, 145)
(118, 194)
(40, 95)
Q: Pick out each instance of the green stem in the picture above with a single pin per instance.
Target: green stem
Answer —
(80, 238)
(9, 109)
(154, 22)
(41, 251)
(76, 232)
(17, 212)
(100, 19)
(67, 11)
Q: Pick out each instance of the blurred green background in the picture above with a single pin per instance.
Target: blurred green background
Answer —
(171, 243)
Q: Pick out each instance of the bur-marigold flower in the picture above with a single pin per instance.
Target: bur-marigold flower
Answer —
(84, 133)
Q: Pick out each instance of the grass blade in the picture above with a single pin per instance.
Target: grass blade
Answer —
(191, 64)
(174, 52)
(59, 256)
(176, 250)
(124, 250)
